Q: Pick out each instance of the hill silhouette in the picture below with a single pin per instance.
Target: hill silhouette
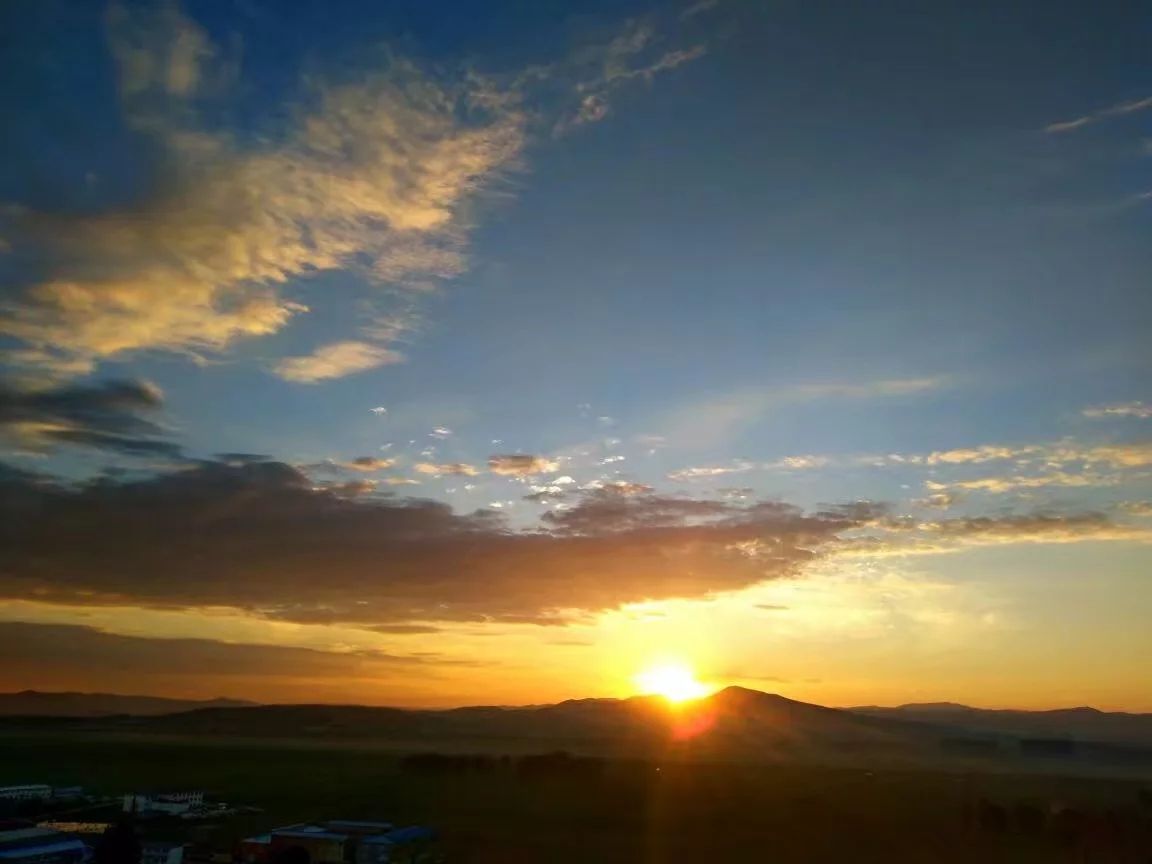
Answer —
(733, 724)
(1082, 723)
(35, 703)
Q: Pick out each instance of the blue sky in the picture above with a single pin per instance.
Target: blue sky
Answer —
(721, 252)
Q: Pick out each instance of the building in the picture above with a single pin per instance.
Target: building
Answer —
(322, 846)
(395, 846)
(40, 846)
(170, 803)
(339, 841)
(27, 792)
(162, 852)
(71, 827)
(67, 793)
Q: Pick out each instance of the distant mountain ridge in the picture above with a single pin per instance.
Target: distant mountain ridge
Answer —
(36, 703)
(734, 724)
(1080, 723)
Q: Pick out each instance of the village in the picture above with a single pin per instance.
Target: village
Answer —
(44, 824)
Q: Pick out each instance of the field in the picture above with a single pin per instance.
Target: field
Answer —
(618, 812)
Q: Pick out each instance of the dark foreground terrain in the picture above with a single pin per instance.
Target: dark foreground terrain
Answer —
(517, 809)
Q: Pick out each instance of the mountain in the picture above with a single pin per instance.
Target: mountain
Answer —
(33, 703)
(731, 725)
(734, 723)
(1084, 724)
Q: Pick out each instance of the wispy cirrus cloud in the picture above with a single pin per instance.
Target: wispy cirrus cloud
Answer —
(741, 466)
(1118, 110)
(698, 8)
(1140, 410)
(1015, 482)
(599, 71)
(1065, 463)
(902, 537)
(1034, 528)
(715, 420)
(697, 472)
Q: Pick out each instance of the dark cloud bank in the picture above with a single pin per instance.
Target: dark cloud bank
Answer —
(260, 536)
(116, 416)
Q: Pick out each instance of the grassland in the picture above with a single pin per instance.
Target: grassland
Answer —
(625, 812)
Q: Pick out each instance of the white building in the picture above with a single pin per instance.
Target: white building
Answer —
(172, 803)
(28, 792)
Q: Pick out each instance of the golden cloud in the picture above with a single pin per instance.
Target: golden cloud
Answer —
(371, 173)
(521, 464)
(462, 469)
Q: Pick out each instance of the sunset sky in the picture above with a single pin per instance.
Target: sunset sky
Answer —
(450, 353)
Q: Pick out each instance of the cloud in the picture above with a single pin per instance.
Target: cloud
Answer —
(869, 389)
(1064, 463)
(242, 458)
(902, 537)
(368, 463)
(405, 629)
(986, 453)
(625, 487)
(1116, 110)
(1032, 528)
(938, 500)
(460, 469)
(1141, 410)
(701, 471)
(65, 656)
(800, 462)
(362, 464)
(1127, 455)
(599, 71)
(609, 510)
(116, 416)
(1136, 508)
(1049, 454)
(377, 172)
(1011, 483)
(336, 361)
(788, 463)
(716, 420)
(698, 8)
(159, 50)
(352, 488)
(371, 174)
(521, 464)
(262, 538)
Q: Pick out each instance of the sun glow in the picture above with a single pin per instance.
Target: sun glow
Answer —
(674, 681)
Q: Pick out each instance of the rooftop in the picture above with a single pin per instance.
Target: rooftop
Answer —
(24, 835)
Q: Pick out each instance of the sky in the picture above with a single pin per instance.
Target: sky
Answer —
(457, 353)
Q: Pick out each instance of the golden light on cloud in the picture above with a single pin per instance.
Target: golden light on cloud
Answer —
(675, 681)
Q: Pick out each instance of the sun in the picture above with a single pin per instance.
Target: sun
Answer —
(674, 681)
